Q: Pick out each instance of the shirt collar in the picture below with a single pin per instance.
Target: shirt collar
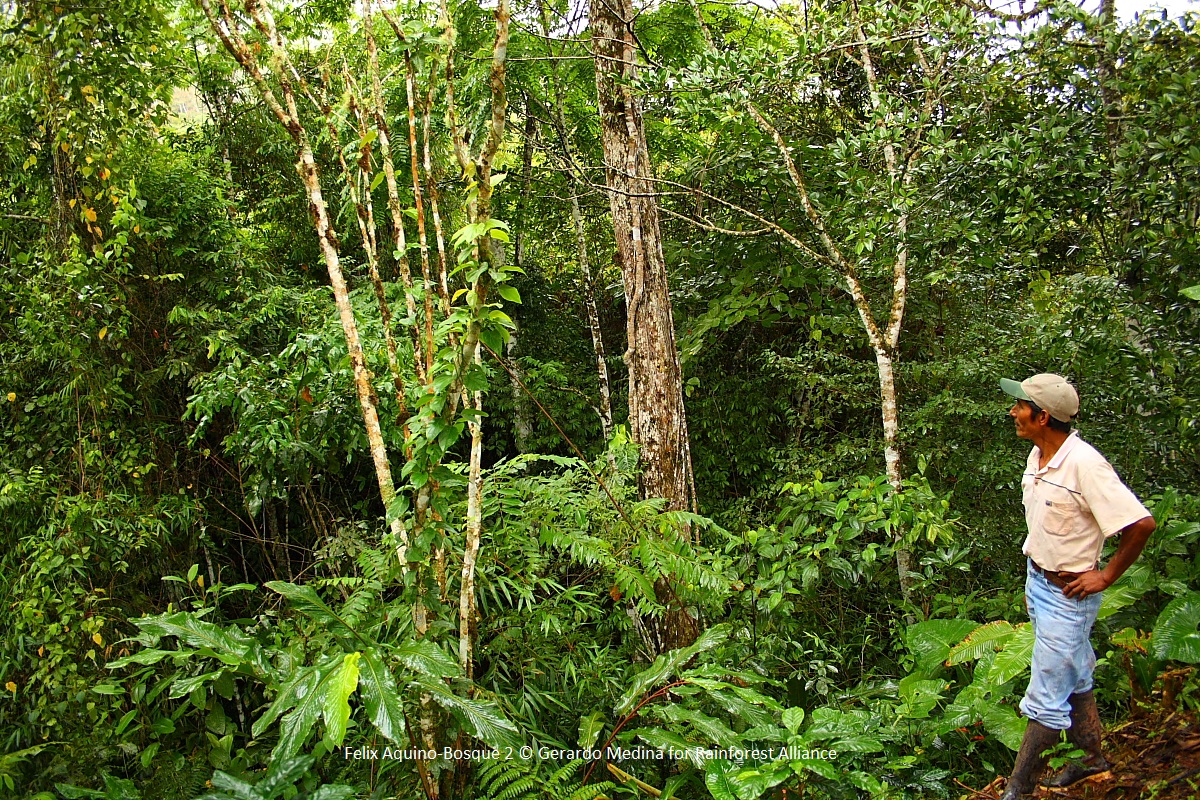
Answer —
(1063, 450)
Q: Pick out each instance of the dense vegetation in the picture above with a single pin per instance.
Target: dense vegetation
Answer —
(218, 575)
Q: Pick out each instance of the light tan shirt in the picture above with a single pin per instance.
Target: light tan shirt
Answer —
(1072, 505)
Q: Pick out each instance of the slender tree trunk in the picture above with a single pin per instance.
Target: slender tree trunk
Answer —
(656, 416)
(593, 315)
(581, 249)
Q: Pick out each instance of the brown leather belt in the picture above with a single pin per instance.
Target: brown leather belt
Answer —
(1059, 579)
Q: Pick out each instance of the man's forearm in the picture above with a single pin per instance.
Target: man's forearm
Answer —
(1133, 540)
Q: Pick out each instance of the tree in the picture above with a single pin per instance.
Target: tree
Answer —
(657, 418)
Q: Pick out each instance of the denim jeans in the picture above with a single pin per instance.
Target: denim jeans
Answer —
(1063, 659)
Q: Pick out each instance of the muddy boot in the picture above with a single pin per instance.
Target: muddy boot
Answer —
(1085, 734)
(1030, 761)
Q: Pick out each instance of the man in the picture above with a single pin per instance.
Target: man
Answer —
(1073, 502)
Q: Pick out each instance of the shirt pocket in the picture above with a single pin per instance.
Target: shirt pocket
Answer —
(1060, 518)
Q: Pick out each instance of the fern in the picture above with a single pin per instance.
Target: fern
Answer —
(522, 780)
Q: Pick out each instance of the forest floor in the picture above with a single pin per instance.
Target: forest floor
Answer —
(1155, 756)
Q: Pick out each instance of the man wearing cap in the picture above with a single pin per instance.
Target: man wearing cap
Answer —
(1073, 502)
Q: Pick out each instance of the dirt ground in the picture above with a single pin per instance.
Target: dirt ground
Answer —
(1154, 757)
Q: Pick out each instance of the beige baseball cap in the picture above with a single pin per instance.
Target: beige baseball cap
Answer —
(1048, 391)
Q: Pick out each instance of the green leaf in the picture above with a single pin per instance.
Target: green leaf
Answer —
(1119, 596)
(1175, 634)
(383, 703)
(378, 179)
(983, 639)
(509, 293)
(1191, 292)
(793, 718)
(145, 658)
(291, 692)
(932, 641)
(590, 728)
(197, 633)
(235, 786)
(1015, 658)
(342, 684)
(1002, 722)
(298, 723)
(282, 775)
(717, 779)
(484, 721)
(709, 728)
(305, 600)
(666, 665)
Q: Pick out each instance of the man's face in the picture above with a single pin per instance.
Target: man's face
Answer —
(1027, 424)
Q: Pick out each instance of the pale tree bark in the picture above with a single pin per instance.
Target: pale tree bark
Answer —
(656, 414)
(284, 108)
(899, 168)
(522, 427)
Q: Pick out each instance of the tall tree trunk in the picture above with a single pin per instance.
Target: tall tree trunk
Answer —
(581, 250)
(656, 416)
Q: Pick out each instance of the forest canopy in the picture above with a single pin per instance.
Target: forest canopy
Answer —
(575, 400)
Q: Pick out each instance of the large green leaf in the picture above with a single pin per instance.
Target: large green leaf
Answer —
(228, 641)
(667, 665)
(985, 638)
(306, 600)
(298, 686)
(1015, 658)
(342, 683)
(1002, 722)
(426, 658)
(298, 723)
(932, 641)
(484, 721)
(710, 729)
(380, 697)
(919, 696)
(283, 774)
(1119, 596)
(590, 728)
(1175, 634)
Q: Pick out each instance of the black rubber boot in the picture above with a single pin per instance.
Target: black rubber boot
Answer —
(1085, 734)
(1030, 761)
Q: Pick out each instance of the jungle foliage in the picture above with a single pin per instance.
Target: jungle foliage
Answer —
(206, 592)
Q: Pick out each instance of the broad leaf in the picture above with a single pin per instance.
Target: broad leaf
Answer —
(1015, 658)
(306, 600)
(1002, 722)
(932, 641)
(710, 729)
(1119, 596)
(380, 697)
(666, 665)
(336, 711)
(1175, 633)
(283, 774)
(484, 721)
(426, 658)
(985, 638)
(228, 641)
(590, 728)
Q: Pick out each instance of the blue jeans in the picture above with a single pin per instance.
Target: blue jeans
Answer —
(1063, 659)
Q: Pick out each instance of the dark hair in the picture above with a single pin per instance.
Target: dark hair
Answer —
(1055, 424)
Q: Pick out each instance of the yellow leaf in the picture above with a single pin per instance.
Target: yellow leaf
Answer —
(103, 332)
(137, 228)
(12, 397)
(200, 581)
(71, 202)
(98, 639)
(87, 90)
(41, 651)
(12, 687)
(104, 173)
(89, 214)
(66, 146)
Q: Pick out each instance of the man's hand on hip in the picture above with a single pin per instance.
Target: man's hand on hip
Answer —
(1087, 583)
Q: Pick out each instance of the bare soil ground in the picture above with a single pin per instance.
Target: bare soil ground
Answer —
(1154, 757)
